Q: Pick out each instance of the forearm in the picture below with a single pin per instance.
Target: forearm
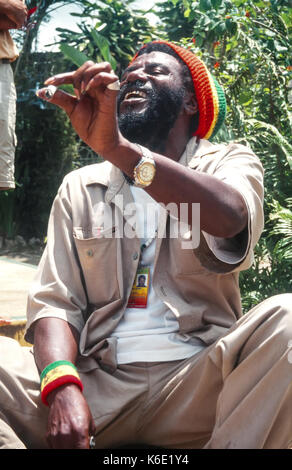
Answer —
(4, 6)
(69, 421)
(223, 211)
(54, 339)
(15, 10)
(6, 23)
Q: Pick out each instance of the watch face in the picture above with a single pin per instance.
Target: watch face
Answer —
(147, 172)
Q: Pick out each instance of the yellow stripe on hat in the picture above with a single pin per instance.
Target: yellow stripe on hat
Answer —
(216, 106)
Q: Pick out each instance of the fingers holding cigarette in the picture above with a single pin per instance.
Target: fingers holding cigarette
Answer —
(88, 78)
(58, 97)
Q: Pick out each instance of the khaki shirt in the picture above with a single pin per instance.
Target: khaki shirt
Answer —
(8, 49)
(86, 273)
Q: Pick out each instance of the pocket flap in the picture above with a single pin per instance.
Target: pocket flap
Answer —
(93, 233)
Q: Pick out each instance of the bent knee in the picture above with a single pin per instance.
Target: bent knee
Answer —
(280, 302)
(277, 312)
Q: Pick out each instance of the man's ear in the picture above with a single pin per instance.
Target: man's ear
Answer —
(190, 103)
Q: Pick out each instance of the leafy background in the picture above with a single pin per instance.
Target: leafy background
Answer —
(246, 45)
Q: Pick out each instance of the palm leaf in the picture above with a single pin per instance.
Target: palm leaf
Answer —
(103, 45)
(272, 135)
(283, 228)
(76, 56)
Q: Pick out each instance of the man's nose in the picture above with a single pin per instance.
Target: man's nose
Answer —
(134, 75)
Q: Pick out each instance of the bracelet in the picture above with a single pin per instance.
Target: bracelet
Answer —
(56, 374)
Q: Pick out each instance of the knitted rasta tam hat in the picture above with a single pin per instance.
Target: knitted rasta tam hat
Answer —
(209, 94)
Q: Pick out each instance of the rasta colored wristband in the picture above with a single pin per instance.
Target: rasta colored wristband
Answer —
(56, 374)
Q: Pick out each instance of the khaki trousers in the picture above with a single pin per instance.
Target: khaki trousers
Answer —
(7, 126)
(235, 394)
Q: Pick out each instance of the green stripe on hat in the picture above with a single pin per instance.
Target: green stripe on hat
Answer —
(222, 107)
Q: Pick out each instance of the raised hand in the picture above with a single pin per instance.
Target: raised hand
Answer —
(70, 423)
(92, 110)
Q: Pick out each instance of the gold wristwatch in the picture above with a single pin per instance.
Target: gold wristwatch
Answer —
(144, 172)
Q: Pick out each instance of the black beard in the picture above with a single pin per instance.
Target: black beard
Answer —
(152, 127)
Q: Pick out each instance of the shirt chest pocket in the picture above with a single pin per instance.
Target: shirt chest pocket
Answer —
(183, 258)
(98, 256)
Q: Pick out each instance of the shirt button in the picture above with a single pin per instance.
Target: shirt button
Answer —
(135, 256)
(89, 253)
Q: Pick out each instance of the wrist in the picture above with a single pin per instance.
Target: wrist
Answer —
(125, 155)
(136, 162)
(118, 147)
(61, 392)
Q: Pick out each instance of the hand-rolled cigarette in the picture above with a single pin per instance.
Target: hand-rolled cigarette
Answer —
(50, 91)
(114, 86)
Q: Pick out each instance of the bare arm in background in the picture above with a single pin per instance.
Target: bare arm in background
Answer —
(13, 14)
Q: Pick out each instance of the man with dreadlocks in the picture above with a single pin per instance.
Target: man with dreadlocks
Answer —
(172, 363)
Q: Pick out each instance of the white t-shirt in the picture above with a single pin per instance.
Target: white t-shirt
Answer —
(150, 334)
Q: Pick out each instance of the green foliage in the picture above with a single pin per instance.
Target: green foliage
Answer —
(283, 227)
(110, 30)
(77, 57)
(7, 225)
(104, 47)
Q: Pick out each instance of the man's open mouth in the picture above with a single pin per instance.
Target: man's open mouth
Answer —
(135, 95)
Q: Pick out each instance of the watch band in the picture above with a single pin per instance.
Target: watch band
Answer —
(129, 180)
(146, 153)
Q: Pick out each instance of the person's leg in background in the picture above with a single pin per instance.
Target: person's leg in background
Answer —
(7, 126)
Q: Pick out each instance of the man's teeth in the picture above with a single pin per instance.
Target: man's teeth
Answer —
(135, 94)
